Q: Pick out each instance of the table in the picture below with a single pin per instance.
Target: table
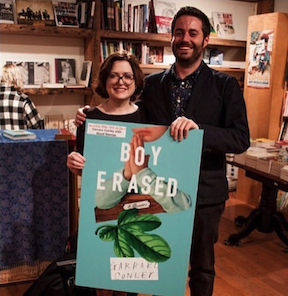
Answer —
(265, 218)
(34, 194)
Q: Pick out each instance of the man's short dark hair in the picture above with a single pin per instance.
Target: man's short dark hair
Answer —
(192, 11)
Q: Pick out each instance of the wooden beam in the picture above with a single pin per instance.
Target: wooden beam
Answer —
(265, 6)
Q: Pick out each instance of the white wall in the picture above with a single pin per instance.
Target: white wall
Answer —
(281, 6)
(240, 11)
(30, 48)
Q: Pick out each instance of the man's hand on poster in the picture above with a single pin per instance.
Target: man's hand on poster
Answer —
(180, 127)
(131, 167)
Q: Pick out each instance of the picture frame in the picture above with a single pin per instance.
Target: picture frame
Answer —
(8, 12)
(35, 12)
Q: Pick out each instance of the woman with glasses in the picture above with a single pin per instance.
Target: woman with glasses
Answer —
(120, 81)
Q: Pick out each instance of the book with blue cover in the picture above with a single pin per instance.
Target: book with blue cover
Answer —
(19, 134)
(138, 197)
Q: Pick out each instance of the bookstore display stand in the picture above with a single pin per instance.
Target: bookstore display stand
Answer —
(265, 218)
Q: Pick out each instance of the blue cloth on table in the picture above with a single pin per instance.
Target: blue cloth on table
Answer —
(34, 194)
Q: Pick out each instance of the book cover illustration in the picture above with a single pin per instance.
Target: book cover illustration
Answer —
(223, 25)
(138, 197)
(66, 13)
(164, 13)
(65, 71)
(7, 11)
(260, 62)
(29, 12)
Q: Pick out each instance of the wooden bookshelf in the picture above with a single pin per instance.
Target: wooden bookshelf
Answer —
(45, 31)
(58, 91)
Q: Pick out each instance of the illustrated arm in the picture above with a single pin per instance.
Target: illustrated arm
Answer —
(147, 181)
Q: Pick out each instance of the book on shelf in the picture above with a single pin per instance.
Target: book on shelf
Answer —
(65, 71)
(164, 12)
(216, 58)
(19, 134)
(66, 13)
(223, 24)
(85, 74)
(82, 11)
(91, 13)
(33, 73)
(35, 12)
(8, 12)
(53, 85)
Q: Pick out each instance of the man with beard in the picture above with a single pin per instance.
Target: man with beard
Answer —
(200, 97)
(187, 96)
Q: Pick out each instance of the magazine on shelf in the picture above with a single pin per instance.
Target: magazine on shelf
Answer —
(164, 13)
(7, 11)
(30, 12)
(65, 71)
(66, 13)
(19, 134)
(223, 24)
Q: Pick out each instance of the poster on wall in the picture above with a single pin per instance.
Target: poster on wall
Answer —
(260, 58)
(138, 197)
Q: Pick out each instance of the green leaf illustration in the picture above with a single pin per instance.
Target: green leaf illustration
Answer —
(130, 234)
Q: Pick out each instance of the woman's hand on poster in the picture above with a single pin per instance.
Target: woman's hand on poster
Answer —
(81, 116)
(76, 162)
(180, 127)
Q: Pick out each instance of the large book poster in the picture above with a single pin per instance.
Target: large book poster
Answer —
(137, 207)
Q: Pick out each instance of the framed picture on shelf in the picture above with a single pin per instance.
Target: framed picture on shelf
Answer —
(65, 13)
(31, 12)
(65, 71)
(8, 12)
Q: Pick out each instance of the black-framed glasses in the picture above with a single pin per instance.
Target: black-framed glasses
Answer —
(127, 78)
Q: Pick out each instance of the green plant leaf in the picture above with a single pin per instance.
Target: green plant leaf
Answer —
(122, 248)
(130, 234)
(151, 247)
(107, 233)
(144, 222)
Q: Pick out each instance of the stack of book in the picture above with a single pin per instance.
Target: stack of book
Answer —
(253, 154)
(284, 173)
(276, 167)
(240, 158)
(264, 163)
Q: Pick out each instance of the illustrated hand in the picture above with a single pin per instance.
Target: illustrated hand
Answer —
(80, 115)
(137, 141)
(75, 162)
(180, 127)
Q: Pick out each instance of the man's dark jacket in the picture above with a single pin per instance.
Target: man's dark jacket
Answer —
(217, 105)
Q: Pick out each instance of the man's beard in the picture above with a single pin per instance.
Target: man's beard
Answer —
(187, 60)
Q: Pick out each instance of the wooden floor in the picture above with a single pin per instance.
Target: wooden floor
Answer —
(258, 267)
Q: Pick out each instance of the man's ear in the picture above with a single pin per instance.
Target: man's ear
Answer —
(206, 41)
